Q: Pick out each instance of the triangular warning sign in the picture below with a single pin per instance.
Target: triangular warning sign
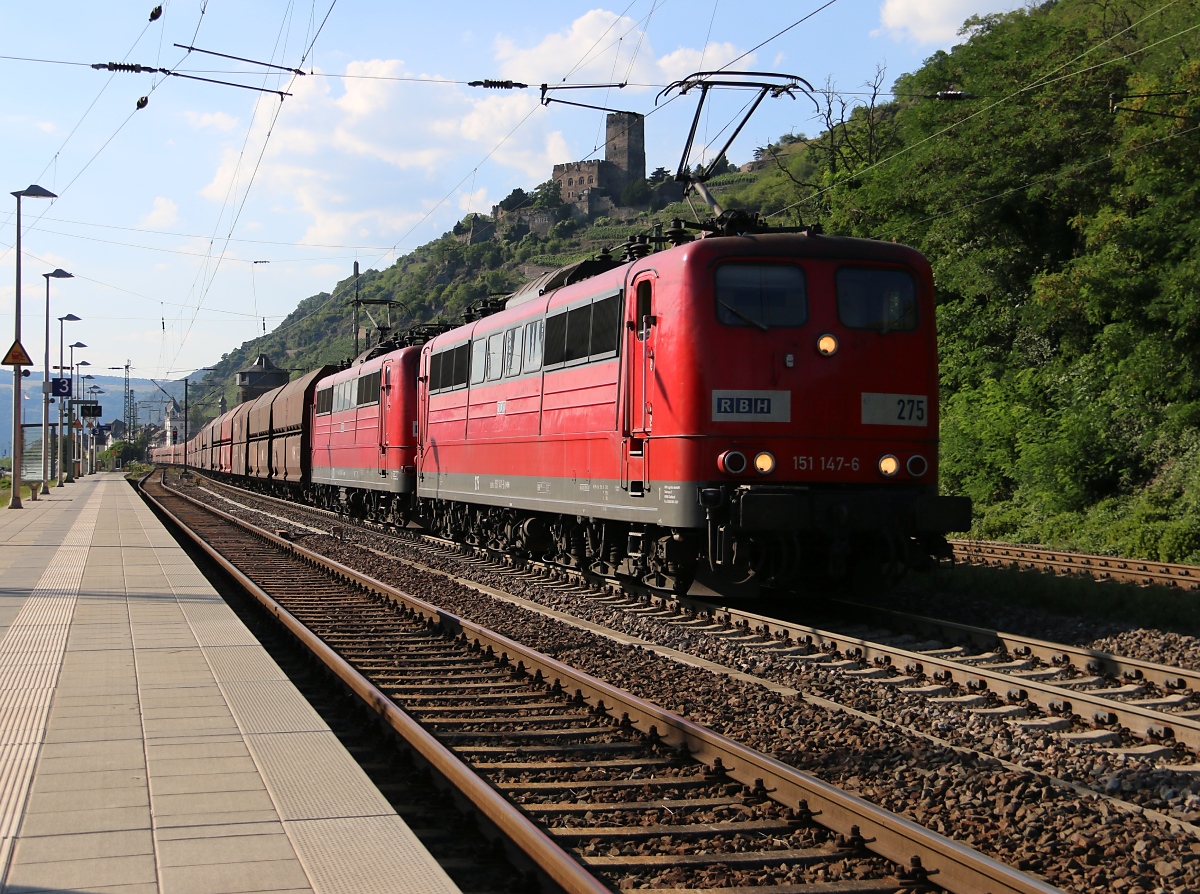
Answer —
(16, 356)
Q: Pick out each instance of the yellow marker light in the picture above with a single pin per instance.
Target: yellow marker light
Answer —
(765, 463)
(827, 345)
(889, 465)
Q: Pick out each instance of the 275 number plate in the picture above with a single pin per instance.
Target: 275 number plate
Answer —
(895, 409)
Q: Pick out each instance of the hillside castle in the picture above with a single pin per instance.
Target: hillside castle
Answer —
(590, 189)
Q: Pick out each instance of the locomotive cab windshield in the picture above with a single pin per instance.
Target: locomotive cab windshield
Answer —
(766, 296)
(879, 299)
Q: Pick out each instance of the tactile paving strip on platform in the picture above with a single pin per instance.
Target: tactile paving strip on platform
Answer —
(340, 789)
(245, 663)
(270, 706)
(348, 856)
(38, 634)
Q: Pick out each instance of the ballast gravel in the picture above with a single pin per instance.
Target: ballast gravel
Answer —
(1019, 816)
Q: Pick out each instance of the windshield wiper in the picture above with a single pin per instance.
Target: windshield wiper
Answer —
(741, 316)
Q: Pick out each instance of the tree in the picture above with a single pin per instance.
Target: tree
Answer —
(548, 195)
(518, 198)
(636, 193)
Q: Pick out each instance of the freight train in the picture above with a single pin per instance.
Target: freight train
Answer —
(729, 413)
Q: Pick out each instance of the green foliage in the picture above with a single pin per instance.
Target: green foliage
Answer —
(518, 198)
(636, 193)
(548, 195)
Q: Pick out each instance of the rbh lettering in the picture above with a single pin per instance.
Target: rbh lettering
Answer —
(744, 406)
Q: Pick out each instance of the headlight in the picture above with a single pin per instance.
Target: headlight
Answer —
(917, 465)
(732, 462)
(827, 345)
(889, 465)
(765, 463)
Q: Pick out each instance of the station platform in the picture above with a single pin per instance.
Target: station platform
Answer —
(148, 743)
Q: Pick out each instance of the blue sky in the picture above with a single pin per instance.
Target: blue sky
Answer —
(163, 212)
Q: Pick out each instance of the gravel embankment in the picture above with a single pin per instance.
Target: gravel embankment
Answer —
(1018, 816)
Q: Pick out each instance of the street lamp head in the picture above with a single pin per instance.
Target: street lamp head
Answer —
(59, 273)
(69, 318)
(33, 191)
(83, 363)
(78, 344)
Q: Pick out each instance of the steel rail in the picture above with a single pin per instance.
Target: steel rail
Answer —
(556, 863)
(1093, 661)
(1054, 699)
(1134, 571)
(955, 866)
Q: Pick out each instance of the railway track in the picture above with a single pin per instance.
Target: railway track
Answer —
(612, 790)
(1045, 686)
(1132, 571)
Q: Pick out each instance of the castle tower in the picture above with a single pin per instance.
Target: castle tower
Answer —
(259, 378)
(625, 148)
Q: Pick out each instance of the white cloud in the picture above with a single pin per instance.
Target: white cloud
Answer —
(685, 60)
(933, 21)
(476, 201)
(216, 120)
(165, 214)
(365, 159)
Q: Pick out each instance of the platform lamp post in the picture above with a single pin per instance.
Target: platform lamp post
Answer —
(71, 417)
(46, 387)
(82, 437)
(184, 473)
(69, 318)
(33, 191)
(94, 391)
(76, 375)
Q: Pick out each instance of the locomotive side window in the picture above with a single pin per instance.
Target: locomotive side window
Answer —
(495, 356)
(556, 339)
(606, 326)
(435, 370)
(368, 390)
(512, 351)
(885, 300)
(764, 296)
(579, 333)
(460, 365)
(645, 291)
(448, 369)
(478, 360)
(533, 345)
(325, 401)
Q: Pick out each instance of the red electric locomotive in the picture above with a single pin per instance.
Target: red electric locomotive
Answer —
(737, 408)
(364, 435)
